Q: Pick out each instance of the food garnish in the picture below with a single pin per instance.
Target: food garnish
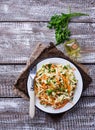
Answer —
(60, 24)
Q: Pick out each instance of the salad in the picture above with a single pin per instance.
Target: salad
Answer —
(55, 85)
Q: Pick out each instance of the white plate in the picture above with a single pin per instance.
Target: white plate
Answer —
(77, 93)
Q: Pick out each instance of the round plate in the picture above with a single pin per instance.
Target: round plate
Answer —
(77, 93)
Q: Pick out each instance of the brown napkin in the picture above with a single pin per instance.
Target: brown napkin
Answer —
(41, 52)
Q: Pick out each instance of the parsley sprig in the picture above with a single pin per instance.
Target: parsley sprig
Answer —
(60, 24)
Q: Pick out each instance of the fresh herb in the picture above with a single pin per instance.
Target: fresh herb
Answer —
(49, 66)
(49, 92)
(65, 67)
(48, 81)
(61, 89)
(60, 24)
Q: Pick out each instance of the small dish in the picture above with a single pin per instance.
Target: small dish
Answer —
(77, 93)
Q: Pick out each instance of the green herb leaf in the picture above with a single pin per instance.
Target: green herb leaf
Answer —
(48, 81)
(49, 66)
(65, 67)
(49, 91)
(60, 24)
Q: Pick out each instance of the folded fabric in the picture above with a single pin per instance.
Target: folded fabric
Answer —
(42, 51)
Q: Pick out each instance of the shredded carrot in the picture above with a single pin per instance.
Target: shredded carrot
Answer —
(44, 86)
(44, 77)
(66, 82)
(57, 80)
(53, 66)
(62, 105)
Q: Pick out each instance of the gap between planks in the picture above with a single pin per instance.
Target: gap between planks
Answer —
(82, 96)
(43, 21)
(24, 63)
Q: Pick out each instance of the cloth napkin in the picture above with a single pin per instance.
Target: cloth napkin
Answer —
(42, 51)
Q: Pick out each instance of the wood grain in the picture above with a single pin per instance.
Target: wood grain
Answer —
(9, 73)
(14, 114)
(17, 40)
(23, 23)
(17, 111)
(24, 127)
(39, 10)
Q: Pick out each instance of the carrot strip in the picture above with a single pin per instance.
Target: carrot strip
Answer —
(61, 105)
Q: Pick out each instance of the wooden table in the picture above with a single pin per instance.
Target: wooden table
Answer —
(23, 24)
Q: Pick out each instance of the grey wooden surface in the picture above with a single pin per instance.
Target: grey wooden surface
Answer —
(23, 23)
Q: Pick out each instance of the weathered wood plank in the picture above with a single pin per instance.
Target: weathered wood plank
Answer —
(14, 114)
(9, 73)
(17, 40)
(24, 127)
(43, 10)
(17, 111)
